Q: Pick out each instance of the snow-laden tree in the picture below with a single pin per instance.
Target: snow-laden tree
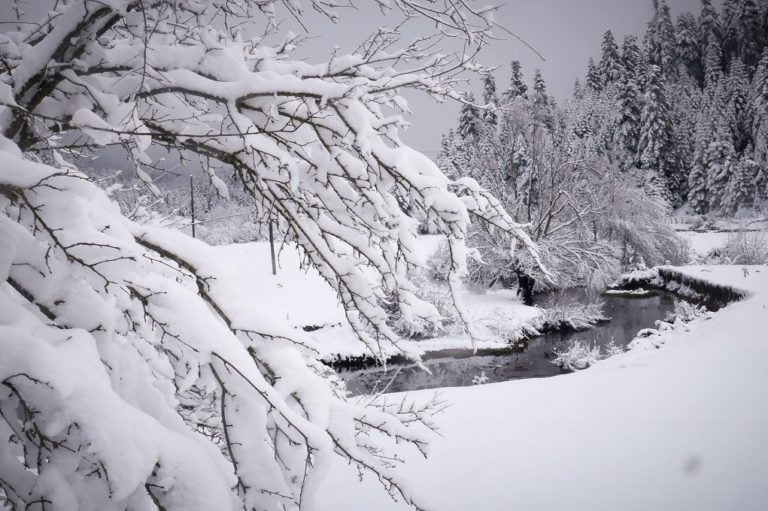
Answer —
(688, 49)
(490, 101)
(709, 25)
(659, 41)
(758, 111)
(594, 80)
(517, 87)
(737, 96)
(134, 374)
(656, 143)
(610, 61)
(742, 31)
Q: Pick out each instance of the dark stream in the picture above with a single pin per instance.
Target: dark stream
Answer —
(528, 359)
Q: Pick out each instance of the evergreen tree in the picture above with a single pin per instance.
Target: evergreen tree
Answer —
(594, 80)
(688, 48)
(698, 193)
(656, 147)
(540, 99)
(758, 114)
(517, 87)
(578, 89)
(742, 31)
(709, 26)
(737, 97)
(741, 191)
(610, 62)
(630, 104)
(491, 101)
(713, 62)
(686, 102)
(719, 160)
(470, 122)
(631, 59)
(660, 43)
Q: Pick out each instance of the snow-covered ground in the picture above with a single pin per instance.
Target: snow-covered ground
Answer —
(300, 298)
(682, 427)
(703, 242)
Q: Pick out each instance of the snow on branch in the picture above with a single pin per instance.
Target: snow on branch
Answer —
(118, 337)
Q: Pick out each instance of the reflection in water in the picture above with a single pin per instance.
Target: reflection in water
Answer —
(628, 316)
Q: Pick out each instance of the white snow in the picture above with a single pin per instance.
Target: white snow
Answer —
(299, 297)
(703, 242)
(682, 427)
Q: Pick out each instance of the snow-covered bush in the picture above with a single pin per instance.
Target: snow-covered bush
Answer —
(685, 312)
(612, 349)
(563, 312)
(439, 263)
(576, 356)
(134, 373)
(745, 247)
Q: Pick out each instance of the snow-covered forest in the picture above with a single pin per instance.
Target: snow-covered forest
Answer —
(229, 283)
(676, 117)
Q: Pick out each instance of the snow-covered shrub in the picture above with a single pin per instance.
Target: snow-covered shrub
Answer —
(745, 247)
(439, 263)
(563, 312)
(612, 349)
(686, 312)
(434, 292)
(577, 355)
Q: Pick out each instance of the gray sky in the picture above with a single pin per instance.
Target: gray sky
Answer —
(565, 32)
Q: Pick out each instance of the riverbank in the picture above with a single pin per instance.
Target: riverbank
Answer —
(309, 310)
(680, 425)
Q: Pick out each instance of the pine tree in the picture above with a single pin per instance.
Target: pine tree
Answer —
(517, 87)
(741, 190)
(631, 58)
(610, 62)
(698, 193)
(688, 48)
(540, 99)
(709, 26)
(737, 97)
(656, 146)
(719, 156)
(758, 114)
(719, 160)
(512, 141)
(660, 43)
(469, 120)
(491, 101)
(713, 62)
(742, 31)
(686, 101)
(594, 80)
(630, 103)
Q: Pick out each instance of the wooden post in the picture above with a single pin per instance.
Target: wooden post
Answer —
(272, 248)
(192, 203)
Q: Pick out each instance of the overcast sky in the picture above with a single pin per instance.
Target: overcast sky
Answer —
(565, 32)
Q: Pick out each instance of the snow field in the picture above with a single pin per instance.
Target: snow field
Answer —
(681, 427)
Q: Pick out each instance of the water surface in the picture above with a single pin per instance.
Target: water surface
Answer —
(528, 359)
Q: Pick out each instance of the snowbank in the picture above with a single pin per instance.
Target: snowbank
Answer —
(301, 299)
(681, 427)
